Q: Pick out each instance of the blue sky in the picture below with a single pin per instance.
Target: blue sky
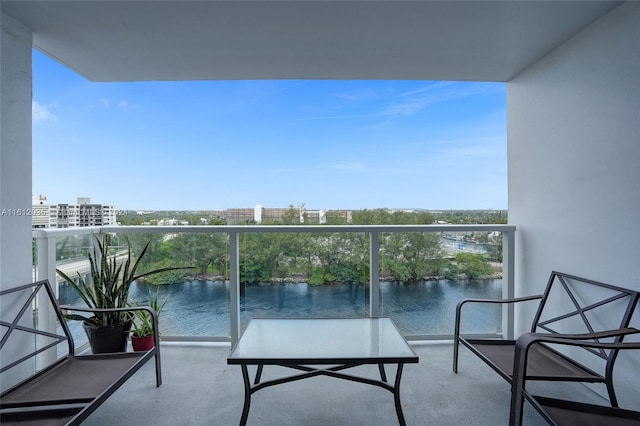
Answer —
(209, 145)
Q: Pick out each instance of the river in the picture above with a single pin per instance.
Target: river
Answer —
(201, 308)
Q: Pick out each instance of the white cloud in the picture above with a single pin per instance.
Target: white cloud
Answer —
(415, 101)
(340, 117)
(407, 108)
(427, 88)
(362, 95)
(41, 113)
(352, 166)
(436, 93)
(123, 104)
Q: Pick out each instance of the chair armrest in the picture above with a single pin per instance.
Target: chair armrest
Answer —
(148, 309)
(498, 301)
(512, 300)
(526, 340)
(87, 309)
(587, 340)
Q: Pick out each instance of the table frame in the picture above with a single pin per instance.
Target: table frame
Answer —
(336, 365)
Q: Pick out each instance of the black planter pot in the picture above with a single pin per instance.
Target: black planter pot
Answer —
(108, 338)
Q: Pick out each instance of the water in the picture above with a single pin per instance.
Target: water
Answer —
(201, 308)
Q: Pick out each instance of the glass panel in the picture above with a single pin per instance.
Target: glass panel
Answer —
(289, 275)
(193, 307)
(428, 307)
(300, 275)
(427, 274)
(72, 248)
(196, 304)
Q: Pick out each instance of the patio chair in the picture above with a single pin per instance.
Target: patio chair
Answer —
(569, 306)
(43, 380)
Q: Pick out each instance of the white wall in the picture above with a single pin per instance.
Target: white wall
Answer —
(574, 158)
(15, 178)
(15, 153)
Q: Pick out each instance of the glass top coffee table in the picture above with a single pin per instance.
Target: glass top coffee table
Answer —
(307, 344)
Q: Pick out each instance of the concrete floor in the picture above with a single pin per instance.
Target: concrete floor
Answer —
(199, 388)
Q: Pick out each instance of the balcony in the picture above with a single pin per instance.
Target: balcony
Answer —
(572, 139)
(200, 388)
(421, 311)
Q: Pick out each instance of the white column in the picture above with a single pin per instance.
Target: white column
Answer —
(15, 177)
(15, 153)
(46, 247)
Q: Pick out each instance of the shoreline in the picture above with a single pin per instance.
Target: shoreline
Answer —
(302, 280)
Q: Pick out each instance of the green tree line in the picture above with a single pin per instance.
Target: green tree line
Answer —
(317, 258)
(320, 258)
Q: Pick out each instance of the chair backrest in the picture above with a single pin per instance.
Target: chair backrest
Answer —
(33, 331)
(575, 305)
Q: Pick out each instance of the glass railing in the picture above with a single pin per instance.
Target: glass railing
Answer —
(414, 274)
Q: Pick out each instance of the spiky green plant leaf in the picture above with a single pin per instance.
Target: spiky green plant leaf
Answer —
(110, 282)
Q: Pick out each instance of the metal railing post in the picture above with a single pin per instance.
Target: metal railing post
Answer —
(375, 310)
(234, 286)
(508, 283)
(46, 317)
(46, 258)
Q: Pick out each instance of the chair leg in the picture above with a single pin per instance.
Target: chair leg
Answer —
(158, 367)
(613, 400)
(518, 383)
(455, 355)
(456, 338)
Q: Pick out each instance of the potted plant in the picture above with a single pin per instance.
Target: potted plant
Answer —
(108, 289)
(142, 337)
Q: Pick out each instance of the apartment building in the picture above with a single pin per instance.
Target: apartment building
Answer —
(81, 214)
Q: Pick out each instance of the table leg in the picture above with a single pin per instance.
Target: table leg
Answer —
(383, 375)
(258, 374)
(396, 395)
(247, 395)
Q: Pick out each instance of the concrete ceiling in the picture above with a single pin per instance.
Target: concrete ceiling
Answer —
(204, 40)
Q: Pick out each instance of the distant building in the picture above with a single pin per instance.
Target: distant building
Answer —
(172, 222)
(82, 214)
(240, 216)
(314, 217)
(273, 215)
(109, 215)
(261, 214)
(85, 214)
(346, 215)
(43, 216)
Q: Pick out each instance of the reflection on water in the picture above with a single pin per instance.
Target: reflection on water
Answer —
(201, 308)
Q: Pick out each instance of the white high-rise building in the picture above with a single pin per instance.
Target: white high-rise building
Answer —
(82, 214)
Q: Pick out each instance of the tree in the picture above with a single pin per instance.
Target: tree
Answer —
(200, 250)
(335, 218)
(412, 256)
(473, 265)
(291, 216)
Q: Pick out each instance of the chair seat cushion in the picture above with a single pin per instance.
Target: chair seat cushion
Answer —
(544, 363)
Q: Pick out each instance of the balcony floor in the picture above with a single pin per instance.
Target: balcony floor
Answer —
(199, 388)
